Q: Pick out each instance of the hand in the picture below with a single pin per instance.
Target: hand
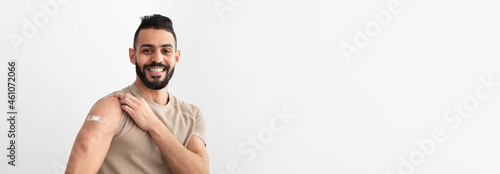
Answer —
(139, 110)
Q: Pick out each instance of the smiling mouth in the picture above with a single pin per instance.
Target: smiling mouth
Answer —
(156, 69)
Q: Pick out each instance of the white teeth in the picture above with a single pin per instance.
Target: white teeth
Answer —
(156, 69)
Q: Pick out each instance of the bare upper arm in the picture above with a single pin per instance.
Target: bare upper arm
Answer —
(93, 139)
(106, 115)
(109, 112)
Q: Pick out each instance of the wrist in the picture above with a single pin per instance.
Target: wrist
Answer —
(154, 128)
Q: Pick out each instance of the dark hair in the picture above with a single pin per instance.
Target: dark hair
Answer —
(155, 21)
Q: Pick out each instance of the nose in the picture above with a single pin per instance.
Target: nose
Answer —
(157, 57)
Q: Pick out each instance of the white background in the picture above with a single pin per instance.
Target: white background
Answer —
(244, 60)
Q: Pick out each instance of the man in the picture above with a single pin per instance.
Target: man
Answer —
(143, 128)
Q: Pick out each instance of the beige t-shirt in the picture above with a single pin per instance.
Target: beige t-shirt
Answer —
(132, 149)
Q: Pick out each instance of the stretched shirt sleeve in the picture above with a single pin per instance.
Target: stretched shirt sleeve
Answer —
(200, 125)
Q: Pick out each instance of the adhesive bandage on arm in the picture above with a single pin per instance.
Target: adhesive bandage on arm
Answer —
(95, 118)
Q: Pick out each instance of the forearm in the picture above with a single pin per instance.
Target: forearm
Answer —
(179, 159)
(80, 164)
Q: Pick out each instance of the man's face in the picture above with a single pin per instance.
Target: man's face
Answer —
(155, 57)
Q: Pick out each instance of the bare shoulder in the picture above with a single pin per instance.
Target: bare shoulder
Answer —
(107, 110)
(108, 106)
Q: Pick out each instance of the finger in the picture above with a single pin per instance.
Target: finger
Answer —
(127, 109)
(127, 101)
(119, 96)
(131, 97)
(121, 100)
(124, 96)
(128, 95)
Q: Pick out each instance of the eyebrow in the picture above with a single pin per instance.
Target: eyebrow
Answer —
(150, 45)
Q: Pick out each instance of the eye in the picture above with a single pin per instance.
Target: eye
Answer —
(146, 51)
(166, 51)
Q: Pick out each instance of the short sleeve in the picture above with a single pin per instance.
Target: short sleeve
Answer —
(200, 125)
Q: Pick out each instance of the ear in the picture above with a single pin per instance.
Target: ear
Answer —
(131, 54)
(177, 56)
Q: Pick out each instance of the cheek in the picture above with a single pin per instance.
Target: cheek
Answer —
(170, 61)
(141, 60)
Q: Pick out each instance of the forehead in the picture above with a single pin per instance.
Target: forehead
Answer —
(155, 37)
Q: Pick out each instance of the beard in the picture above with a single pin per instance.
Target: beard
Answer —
(156, 84)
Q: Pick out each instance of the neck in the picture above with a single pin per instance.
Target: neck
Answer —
(158, 96)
